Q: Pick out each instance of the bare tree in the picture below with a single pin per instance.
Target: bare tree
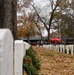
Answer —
(67, 19)
(32, 17)
(48, 22)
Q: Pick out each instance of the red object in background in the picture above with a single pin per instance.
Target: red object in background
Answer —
(56, 40)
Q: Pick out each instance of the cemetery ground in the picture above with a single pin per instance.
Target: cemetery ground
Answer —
(54, 63)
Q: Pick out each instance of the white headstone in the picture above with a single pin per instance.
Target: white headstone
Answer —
(6, 52)
(72, 47)
(67, 49)
(61, 48)
(19, 54)
(57, 48)
(26, 45)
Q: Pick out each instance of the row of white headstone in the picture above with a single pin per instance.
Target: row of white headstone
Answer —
(11, 53)
(69, 49)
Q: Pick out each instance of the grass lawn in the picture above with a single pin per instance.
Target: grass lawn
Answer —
(54, 63)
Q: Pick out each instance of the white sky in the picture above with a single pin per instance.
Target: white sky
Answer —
(45, 32)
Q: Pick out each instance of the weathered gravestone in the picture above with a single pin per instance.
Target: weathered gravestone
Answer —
(19, 54)
(26, 45)
(6, 52)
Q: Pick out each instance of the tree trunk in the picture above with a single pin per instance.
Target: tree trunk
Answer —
(8, 17)
(48, 39)
(28, 39)
(1, 13)
(14, 19)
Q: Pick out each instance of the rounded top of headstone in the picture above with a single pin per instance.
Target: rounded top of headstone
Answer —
(4, 33)
(27, 45)
(19, 41)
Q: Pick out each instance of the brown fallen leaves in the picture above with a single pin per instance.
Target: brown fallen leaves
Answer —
(54, 63)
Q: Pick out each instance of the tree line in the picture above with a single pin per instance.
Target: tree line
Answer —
(55, 14)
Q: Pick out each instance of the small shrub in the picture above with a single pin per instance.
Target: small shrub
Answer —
(27, 59)
(33, 70)
(30, 52)
(36, 62)
(31, 63)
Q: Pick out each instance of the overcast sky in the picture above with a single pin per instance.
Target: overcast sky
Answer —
(42, 4)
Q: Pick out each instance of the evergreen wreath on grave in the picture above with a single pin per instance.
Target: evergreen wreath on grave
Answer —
(31, 63)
